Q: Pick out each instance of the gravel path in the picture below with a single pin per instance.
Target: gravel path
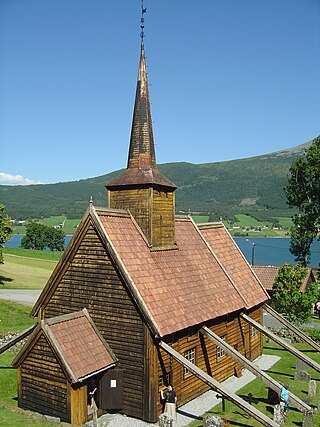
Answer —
(192, 410)
(22, 296)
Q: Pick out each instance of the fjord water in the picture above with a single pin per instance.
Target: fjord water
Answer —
(267, 250)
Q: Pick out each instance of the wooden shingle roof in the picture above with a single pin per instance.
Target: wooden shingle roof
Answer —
(188, 285)
(204, 277)
(234, 262)
(77, 344)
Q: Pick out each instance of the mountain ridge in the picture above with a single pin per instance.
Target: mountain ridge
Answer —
(252, 185)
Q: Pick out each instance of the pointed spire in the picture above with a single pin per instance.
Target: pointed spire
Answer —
(141, 167)
(141, 150)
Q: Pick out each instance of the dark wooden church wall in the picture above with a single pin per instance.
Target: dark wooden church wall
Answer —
(42, 385)
(92, 282)
(188, 386)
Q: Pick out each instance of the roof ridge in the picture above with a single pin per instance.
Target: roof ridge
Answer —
(64, 317)
(112, 211)
(213, 224)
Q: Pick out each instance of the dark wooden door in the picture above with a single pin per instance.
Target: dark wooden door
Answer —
(111, 390)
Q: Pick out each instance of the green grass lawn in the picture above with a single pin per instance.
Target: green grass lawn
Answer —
(285, 222)
(14, 318)
(26, 272)
(282, 371)
(198, 219)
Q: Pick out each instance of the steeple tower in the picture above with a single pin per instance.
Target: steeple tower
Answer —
(142, 188)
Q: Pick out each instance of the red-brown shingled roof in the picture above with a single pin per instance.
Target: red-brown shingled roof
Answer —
(268, 273)
(82, 348)
(181, 287)
(235, 263)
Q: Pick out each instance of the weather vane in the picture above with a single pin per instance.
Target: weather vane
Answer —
(143, 11)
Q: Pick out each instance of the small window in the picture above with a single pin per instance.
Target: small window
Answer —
(254, 332)
(191, 356)
(220, 350)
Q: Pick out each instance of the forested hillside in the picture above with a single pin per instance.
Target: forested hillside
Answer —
(253, 186)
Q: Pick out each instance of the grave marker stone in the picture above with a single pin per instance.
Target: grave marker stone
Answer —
(307, 419)
(302, 376)
(165, 420)
(278, 415)
(312, 388)
(212, 421)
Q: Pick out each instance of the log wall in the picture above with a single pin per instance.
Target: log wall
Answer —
(91, 281)
(236, 333)
(42, 383)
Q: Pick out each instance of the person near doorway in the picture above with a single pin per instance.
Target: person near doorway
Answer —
(284, 399)
(170, 399)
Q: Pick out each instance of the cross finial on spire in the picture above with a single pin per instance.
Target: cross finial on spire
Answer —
(143, 11)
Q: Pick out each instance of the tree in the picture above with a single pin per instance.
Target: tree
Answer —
(303, 192)
(35, 237)
(6, 230)
(55, 239)
(39, 236)
(289, 300)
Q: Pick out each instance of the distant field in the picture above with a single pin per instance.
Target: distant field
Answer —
(25, 272)
(198, 219)
(249, 226)
(69, 225)
(285, 222)
(243, 221)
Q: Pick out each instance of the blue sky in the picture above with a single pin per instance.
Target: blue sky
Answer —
(228, 79)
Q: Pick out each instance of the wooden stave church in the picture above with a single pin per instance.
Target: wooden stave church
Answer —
(138, 275)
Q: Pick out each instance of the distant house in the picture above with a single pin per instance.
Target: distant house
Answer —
(267, 275)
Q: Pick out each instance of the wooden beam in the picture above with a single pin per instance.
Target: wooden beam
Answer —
(203, 376)
(292, 328)
(253, 368)
(16, 339)
(283, 343)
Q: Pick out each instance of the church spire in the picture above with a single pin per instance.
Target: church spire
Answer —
(142, 188)
(141, 149)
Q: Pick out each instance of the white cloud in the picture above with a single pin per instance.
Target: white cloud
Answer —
(7, 179)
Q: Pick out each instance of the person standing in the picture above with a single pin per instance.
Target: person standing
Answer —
(284, 399)
(170, 399)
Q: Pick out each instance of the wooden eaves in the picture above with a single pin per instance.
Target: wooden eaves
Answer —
(253, 368)
(281, 342)
(203, 376)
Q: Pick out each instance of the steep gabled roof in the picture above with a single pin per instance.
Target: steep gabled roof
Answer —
(77, 344)
(205, 277)
(185, 286)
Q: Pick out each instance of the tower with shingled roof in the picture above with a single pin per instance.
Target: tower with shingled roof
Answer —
(142, 188)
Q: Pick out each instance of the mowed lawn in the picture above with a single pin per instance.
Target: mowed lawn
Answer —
(21, 272)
